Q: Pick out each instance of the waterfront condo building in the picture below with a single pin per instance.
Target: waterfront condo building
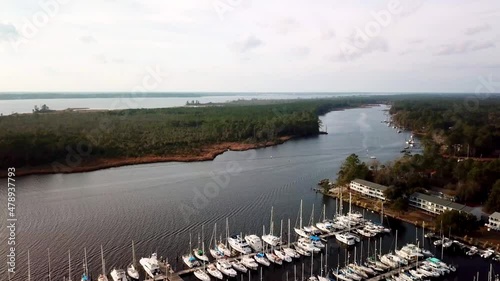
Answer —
(436, 205)
(369, 189)
(494, 221)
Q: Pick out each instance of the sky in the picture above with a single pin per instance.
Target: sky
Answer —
(249, 45)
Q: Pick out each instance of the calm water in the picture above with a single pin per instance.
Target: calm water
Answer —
(27, 105)
(158, 205)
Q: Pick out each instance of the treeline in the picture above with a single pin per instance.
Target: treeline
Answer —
(465, 126)
(28, 140)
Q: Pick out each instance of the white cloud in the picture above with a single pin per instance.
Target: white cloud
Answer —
(98, 45)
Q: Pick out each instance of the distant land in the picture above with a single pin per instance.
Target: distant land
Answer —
(108, 95)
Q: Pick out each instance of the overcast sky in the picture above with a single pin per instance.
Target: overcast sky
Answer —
(249, 45)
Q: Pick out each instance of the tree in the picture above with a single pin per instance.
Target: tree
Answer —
(351, 169)
(456, 222)
(493, 202)
(400, 204)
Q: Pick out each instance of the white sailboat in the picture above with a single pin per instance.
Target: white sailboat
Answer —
(118, 275)
(102, 276)
(261, 259)
(238, 266)
(131, 269)
(224, 247)
(201, 274)
(280, 252)
(212, 270)
(189, 259)
(150, 265)
(299, 230)
(214, 251)
(270, 238)
(249, 263)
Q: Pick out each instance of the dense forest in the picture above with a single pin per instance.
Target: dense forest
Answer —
(28, 140)
(464, 126)
(441, 123)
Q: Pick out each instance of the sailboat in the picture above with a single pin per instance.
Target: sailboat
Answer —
(270, 238)
(223, 247)
(102, 276)
(289, 251)
(212, 270)
(131, 270)
(280, 252)
(214, 250)
(189, 259)
(300, 231)
(312, 277)
(200, 253)
(201, 274)
(85, 275)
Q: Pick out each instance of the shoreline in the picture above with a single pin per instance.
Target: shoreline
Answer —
(208, 153)
(416, 218)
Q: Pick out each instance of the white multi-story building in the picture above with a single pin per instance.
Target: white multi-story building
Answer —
(494, 221)
(367, 188)
(436, 205)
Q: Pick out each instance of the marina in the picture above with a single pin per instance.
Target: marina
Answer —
(158, 205)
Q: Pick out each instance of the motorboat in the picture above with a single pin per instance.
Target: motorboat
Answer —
(150, 265)
(119, 275)
(487, 253)
(212, 270)
(316, 241)
(238, 266)
(254, 242)
(282, 255)
(202, 275)
(307, 245)
(225, 267)
(291, 252)
(260, 258)
(271, 240)
(249, 263)
(472, 251)
(346, 239)
(239, 244)
(274, 258)
(302, 252)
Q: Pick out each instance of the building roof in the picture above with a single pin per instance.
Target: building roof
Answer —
(495, 215)
(442, 202)
(371, 184)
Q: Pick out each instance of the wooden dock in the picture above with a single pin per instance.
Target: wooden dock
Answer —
(383, 276)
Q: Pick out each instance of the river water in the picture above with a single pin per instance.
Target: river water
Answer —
(158, 205)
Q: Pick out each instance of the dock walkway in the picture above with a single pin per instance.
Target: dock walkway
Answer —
(383, 276)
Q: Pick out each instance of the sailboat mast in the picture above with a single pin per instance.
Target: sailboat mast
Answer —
(312, 255)
(85, 266)
(271, 225)
(300, 215)
(288, 241)
(102, 261)
(396, 242)
(227, 229)
(29, 267)
(69, 265)
(48, 254)
(423, 234)
(133, 253)
(281, 234)
(324, 212)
